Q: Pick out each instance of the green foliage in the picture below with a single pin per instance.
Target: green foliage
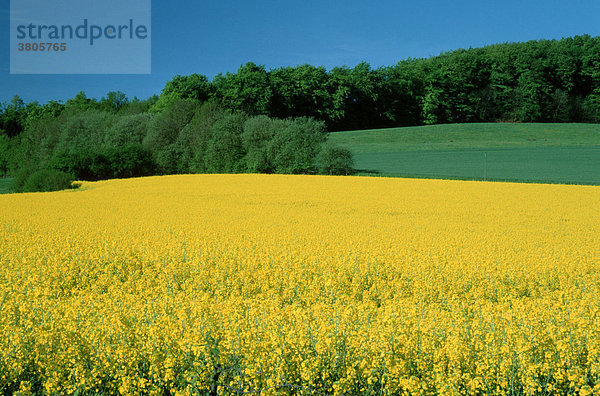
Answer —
(217, 141)
(5, 185)
(258, 133)
(333, 160)
(168, 124)
(20, 177)
(137, 106)
(274, 121)
(128, 129)
(36, 145)
(84, 130)
(82, 164)
(194, 138)
(113, 102)
(225, 151)
(5, 153)
(45, 180)
(131, 160)
(535, 81)
(300, 91)
(248, 90)
(13, 116)
(194, 86)
(50, 110)
(560, 107)
(167, 159)
(80, 102)
(92, 140)
(591, 107)
(506, 82)
(293, 150)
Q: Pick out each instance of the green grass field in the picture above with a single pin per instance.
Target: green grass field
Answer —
(545, 153)
(5, 185)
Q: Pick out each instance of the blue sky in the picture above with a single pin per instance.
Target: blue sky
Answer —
(209, 37)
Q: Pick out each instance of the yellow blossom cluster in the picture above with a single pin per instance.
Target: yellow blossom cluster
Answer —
(224, 284)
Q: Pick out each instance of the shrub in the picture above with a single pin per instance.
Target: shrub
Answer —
(47, 180)
(20, 177)
(294, 149)
(166, 126)
(225, 151)
(128, 129)
(194, 139)
(168, 160)
(84, 130)
(118, 162)
(5, 147)
(129, 161)
(83, 164)
(333, 160)
(258, 132)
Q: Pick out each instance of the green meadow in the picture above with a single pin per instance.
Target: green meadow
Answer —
(5, 185)
(542, 153)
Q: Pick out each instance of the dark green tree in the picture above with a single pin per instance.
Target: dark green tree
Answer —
(258, 133)
(248, 90)
(294, 149)
(193, 140)
(194, 86)
(165, 130)
(5, 153)
(225, 151)
(113, 102)
(128, 129)
(13, 116)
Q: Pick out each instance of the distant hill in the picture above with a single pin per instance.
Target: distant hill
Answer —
(545, 153)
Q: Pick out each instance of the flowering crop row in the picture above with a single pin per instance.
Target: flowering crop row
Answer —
(222, 284)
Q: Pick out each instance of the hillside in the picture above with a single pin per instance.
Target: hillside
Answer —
(546, 153)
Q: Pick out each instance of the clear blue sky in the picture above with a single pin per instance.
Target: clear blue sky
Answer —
(209, 37)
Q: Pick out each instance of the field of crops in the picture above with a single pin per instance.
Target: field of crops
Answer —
(223, 284)
(542, 153)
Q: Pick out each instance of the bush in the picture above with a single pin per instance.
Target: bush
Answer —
(128, 129)
(129, 161)
(47, 180)
(5, 153)
(194, 139)
(166, 126)
(293, 150)
(82, 164)
(118, 162)
(84, 130)
(225, 151)
(20, 177)
(334, 160)
(258, 132)
(168, 160)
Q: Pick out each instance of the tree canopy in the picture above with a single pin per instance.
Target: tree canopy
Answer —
(259, 120)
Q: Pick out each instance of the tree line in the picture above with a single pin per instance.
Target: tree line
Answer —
(535, 81)
(85, 139)
(258, 120)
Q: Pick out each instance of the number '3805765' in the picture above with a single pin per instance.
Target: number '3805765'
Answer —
(42, 47)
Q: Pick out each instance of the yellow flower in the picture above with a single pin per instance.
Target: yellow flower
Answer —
(271, 282)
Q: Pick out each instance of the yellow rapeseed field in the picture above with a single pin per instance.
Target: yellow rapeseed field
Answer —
(223, 284)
